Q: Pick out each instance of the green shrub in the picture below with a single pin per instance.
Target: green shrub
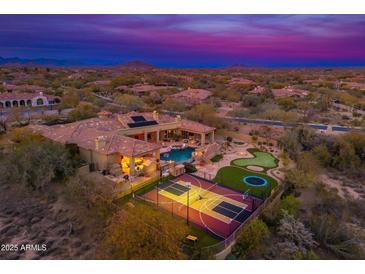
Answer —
(190, 168)
(217, 158)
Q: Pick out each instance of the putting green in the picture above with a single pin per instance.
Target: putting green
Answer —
(262, 159)
(232, 176)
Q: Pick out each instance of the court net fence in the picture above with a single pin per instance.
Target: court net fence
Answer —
(227, 243)
(228, 231)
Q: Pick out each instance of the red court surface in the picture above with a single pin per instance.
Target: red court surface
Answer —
(220, 213)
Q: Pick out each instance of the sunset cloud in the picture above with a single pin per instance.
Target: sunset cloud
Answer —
(188, 40)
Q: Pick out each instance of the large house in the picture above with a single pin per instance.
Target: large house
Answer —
(25, 99)
(129, 141)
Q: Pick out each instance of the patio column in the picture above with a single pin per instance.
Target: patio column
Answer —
(158, 136)
(131, 166)
(202, 139)
(157, 155)
(212, 137)
(145, 136)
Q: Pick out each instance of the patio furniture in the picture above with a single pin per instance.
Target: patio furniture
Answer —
(192, 238)
(165, 174)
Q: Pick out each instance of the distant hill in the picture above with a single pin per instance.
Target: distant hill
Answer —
(135, 65)
(14, 61)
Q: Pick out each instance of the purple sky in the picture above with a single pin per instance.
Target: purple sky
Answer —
(188, 40)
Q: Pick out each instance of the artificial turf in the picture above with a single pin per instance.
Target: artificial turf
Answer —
(262, 159)
(232, 177)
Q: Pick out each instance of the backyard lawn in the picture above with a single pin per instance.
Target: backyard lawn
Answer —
(262, 159)
(232, 177)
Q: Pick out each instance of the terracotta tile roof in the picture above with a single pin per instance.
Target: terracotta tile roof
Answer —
(85, 133)
(105, 124)
(240, 81)
(110, 142)
(195, 126)
(105, 142)
(125, 119)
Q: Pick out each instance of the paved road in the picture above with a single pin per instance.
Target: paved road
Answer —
(284, 124)
(105, 99)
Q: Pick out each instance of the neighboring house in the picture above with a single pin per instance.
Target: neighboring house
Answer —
(22, 99)
(142, 89)
(258, 90)
(131, 140)
(99, 83)
(192, 96)
(76, 76)
(240, 81)
(289, 92)
(353, 85)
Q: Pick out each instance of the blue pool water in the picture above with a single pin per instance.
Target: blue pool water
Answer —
(178, 155)
(254, 181)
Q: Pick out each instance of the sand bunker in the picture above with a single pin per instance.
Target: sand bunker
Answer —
(255, 168)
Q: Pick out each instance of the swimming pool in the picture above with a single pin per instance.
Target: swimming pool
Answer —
(178, 155)
(254, 181)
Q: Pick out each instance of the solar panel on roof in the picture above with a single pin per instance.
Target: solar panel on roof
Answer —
(142, 124)
(138, 118)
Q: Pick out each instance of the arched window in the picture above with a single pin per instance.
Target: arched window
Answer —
(29, 102)
(39, 101)
(7, 104)
(22, 102)
(57, 100)
(15, 104)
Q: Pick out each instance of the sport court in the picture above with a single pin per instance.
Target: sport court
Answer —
(213, 208)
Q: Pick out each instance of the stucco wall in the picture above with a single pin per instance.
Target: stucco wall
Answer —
(101, 161)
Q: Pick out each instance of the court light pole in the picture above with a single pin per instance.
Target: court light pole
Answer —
(188, 185)
(157, 193)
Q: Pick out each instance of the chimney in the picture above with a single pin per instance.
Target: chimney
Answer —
(100, 142)
(155, 115)
(104, 114)
(41, 93)
(178, 118)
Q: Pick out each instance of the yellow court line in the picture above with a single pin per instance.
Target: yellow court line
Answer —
(203, 201)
